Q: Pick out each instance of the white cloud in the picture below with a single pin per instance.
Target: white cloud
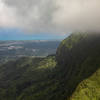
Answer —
(78, 15)
(7, 16)
(55, 16)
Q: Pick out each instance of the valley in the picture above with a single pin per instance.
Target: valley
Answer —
(10, 50)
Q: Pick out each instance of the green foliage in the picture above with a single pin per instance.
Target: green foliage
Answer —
(89, 89)
(73, 74)
(73, 39)
(78, 63)
(24, 77)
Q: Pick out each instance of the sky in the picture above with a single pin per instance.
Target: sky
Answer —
(15, 34)
(47, 19)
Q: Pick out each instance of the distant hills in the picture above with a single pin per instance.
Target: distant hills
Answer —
(72, 74)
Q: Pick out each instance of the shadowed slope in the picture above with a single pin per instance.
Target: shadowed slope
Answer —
(78, 58)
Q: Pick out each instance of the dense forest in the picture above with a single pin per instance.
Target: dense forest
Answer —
(73, 73)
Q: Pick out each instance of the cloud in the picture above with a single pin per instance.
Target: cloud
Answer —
(6, 16)
(53, 16)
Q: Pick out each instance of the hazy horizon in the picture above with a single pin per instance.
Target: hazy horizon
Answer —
(16, 34)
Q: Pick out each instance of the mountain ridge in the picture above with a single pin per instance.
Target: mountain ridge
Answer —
(67, 75)
(80, 61)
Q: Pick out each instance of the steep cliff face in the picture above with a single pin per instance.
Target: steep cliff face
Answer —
(78, 58)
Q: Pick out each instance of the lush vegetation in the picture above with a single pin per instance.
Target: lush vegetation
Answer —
(25, 78)
(80, 65)
(72, 74)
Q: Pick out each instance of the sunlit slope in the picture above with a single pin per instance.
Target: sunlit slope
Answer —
(88, 89)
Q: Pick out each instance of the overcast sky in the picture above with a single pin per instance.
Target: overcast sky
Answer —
(50, 16)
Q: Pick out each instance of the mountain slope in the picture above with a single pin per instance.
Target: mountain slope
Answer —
(89, 89)
(72, 74)
(25, 77)
(79, 58)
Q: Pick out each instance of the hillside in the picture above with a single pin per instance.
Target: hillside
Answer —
(79, 58)
(72, 74)
(25, 78)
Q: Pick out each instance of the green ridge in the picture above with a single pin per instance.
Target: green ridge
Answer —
(72, 74)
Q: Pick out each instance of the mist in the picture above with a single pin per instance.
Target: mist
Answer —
(53, 16)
